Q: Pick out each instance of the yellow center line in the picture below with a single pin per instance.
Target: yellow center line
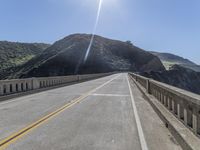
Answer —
(14, 137)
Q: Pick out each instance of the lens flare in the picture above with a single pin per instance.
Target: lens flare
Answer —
(91, 40)
(94, 31)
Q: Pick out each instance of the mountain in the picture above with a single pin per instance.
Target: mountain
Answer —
(178, 76)
(169, 60)
(106, 55)
(13, 54)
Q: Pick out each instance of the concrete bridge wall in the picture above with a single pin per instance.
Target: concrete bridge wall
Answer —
(8, 87)
(183, 104)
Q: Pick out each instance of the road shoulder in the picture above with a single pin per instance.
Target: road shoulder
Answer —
(152, 125)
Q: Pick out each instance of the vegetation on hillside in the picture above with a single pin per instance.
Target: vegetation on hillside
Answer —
(13, 54)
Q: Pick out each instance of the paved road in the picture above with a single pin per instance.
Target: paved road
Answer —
(101, 114)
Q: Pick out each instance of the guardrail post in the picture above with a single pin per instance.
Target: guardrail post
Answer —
(19, 86)
(198, 122)
(1, 89)
(173, 106)
(160, 97)
(185, 116)
(35, 83)
(29, 85)
(7, 88)
(190, 117)
(148, 86)
(13, 88)
(165, 100)
(78, 77)
(194, 120)
(169, 103)
(179, 111)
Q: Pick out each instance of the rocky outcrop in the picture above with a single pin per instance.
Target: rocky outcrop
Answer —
(177, 76)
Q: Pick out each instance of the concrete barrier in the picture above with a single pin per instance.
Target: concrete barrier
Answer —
(8, 87)
(182, 104)
(15, 86)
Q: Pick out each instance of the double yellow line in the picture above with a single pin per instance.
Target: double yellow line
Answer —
(14, 137)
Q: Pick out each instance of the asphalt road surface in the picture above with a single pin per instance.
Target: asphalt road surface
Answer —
(101, 114)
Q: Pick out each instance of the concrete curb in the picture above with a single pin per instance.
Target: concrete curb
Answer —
(186, 139)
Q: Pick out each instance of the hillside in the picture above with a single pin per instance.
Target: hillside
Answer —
(169, 60)
(13, 54)
(63, 57)
(178, 76)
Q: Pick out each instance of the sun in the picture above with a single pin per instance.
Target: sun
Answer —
(106, 3)
(110, 2)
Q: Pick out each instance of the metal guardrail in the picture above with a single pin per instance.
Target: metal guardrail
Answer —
(183, 104)
(8, 87)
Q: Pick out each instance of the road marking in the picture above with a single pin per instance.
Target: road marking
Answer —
(137, 119)
(111, 95)
(14, 137)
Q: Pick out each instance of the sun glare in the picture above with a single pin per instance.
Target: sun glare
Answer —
(94, 30)
(105, 3)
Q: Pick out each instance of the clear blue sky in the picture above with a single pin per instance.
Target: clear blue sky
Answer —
(159, 25)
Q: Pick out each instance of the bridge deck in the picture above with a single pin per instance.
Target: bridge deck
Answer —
(96, 114)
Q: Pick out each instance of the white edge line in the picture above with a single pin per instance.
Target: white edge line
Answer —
(137, 119)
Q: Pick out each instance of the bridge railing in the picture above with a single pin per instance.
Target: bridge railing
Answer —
(13, 86)
(183, 104)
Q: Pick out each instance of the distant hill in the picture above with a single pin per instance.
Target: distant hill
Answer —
(169, 60)
(13, 54)
(63, 57)
(178, 76)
